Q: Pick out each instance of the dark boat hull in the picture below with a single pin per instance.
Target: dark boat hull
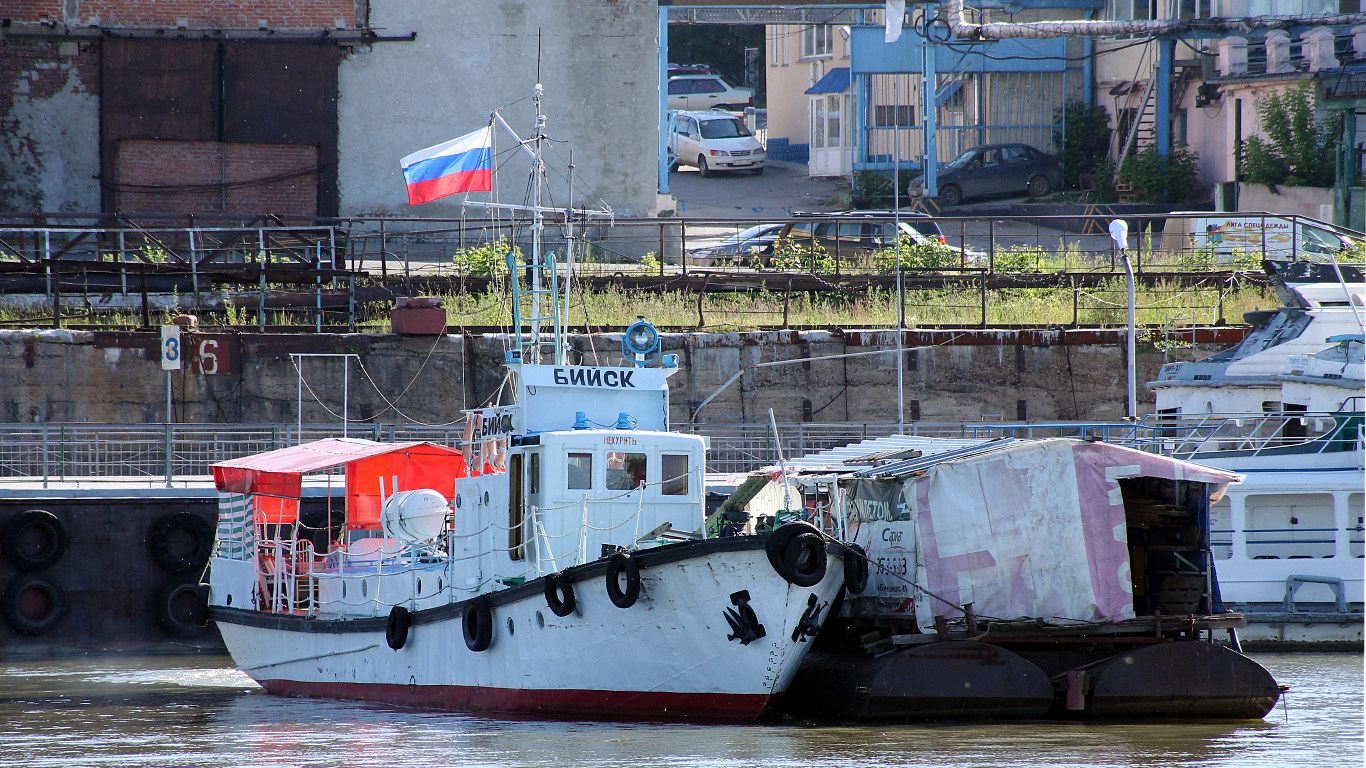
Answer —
(1181, 679)
(955, 679)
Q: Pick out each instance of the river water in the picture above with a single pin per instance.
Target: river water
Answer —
(124, 711)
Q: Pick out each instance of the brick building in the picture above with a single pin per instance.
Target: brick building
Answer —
(179, 107)
(304, 107)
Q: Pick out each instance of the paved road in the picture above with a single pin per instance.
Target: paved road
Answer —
(783, 189)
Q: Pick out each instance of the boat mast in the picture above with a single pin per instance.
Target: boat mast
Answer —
(539, 262)
(537, 226)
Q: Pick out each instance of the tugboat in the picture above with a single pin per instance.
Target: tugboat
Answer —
(555, 564)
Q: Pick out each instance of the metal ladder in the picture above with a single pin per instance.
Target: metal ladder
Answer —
(1144, 122)
(543, 281)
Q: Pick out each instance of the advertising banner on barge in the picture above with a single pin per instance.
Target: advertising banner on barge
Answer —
(880, 520)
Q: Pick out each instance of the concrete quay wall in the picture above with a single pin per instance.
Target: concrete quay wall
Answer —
(950, 375)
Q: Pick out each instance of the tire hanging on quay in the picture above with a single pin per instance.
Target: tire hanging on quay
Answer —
(34, 540)
(33, 605)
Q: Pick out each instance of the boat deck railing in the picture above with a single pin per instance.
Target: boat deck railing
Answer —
(1279, 433)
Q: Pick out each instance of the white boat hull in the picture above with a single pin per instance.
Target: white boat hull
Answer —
(672, 655)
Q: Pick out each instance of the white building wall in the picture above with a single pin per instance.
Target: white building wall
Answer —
(598, 63)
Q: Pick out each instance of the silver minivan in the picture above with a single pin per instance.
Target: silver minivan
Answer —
(715, 141)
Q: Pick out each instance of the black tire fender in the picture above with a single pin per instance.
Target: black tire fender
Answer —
(177, 609)
(804, 560)
(623, 563)
(201, 605)
(559, 593)
(20, 532)
(776, 546)
(477, 623)
(166, 539)
(855, 569)
(14, 604)
(396, 631)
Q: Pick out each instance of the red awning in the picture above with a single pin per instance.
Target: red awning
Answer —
(280, 473)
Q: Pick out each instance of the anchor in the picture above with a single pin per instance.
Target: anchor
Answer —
(808, 625)
(744, 625)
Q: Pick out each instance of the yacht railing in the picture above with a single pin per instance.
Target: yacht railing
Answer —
(1269, 434)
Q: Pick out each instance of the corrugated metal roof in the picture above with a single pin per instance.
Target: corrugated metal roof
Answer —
(845, 460)
(835, 81)
(910, 466)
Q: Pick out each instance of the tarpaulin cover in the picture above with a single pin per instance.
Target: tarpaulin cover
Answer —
(370, 468)
(1036, 529)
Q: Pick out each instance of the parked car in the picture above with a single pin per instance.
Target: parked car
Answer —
(995, 169)
(690, 69)
(715, 141)
(738, 247)
(706, 91)
(860, 234)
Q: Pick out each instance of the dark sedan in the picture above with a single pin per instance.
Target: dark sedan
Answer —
(995, 169)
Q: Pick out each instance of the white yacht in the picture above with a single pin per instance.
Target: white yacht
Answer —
(1284, 409)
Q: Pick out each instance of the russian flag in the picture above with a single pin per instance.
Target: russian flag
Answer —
(459, 165)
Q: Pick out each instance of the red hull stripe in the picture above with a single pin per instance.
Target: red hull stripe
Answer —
(572, 704)
(479, 180)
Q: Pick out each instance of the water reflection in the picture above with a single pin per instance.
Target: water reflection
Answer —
(199, 712)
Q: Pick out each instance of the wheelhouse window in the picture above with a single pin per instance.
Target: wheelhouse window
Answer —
(625, 471)
(674, 473)
(580, 471)
(533, 474)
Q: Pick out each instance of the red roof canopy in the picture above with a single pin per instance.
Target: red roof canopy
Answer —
(280, 473)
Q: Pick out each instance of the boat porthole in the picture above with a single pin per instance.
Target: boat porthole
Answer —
(439, 585)
(510, 627)
(459, 500)
(364, 588)
(486, 498)
(540, 620)
(229, 600)
(343, 589)
(419, 586)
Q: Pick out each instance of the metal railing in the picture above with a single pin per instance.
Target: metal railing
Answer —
(106, 452)
(58, 452)
(330, 273)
